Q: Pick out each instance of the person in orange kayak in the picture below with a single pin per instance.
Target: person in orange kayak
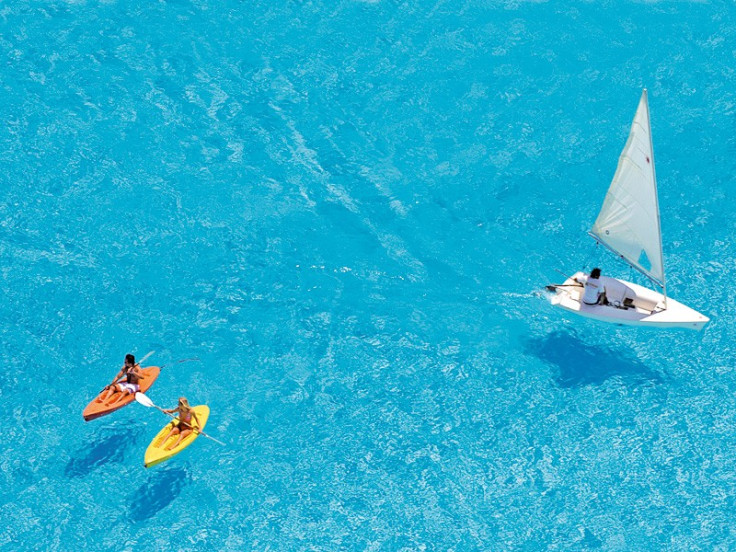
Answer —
(186, 423)
(126, 381)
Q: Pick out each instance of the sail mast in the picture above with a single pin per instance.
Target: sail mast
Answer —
(656, 195)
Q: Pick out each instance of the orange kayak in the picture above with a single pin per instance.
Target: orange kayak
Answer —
(98, 407)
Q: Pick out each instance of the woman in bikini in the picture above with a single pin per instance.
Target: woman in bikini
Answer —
(184, 426)
(126, 381)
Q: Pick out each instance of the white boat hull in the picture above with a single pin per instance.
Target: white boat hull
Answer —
(629, 304)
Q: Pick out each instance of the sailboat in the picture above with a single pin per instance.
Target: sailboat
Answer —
(628, 226)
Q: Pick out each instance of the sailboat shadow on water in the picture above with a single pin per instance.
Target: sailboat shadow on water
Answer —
(580, 364)
(628, 225)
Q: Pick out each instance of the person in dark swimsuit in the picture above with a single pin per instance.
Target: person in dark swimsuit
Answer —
(187, 423)
(126, 381)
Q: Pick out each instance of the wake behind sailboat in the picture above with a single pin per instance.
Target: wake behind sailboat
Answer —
(628, 226)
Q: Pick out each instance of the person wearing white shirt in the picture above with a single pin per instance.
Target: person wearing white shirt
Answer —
(595, 290)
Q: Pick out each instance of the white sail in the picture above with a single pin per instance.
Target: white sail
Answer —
(628, 222)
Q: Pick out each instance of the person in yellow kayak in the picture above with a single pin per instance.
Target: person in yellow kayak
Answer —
(184, 426)
(126, 381)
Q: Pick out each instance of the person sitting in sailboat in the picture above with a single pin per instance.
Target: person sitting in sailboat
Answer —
(595, 291)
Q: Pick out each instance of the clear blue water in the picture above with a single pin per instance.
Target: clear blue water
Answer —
(345, 211)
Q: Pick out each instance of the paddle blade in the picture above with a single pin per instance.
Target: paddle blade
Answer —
(143, 399)
(145, 357)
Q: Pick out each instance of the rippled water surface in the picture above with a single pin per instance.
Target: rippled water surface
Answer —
(344, 211)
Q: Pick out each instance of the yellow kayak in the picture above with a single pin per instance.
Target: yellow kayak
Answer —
(156, 451)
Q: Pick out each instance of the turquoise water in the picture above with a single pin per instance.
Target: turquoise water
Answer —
(345, 211)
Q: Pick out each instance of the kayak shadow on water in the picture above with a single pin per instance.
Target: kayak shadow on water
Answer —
(107, 447)
(160, 490)
(580, 363)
